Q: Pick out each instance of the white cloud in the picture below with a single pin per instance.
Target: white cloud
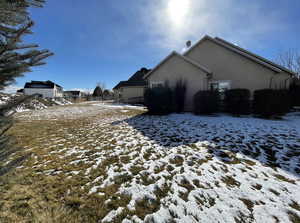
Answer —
(12, 89)
(172, 22)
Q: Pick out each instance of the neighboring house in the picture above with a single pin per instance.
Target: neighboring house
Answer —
(213, 63)
(47, 89)
(73, 94)
(20, 91)
(132, 91)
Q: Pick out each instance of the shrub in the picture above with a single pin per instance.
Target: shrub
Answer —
(269, 102)
(179, 95)
(206, 102)
(295, 94)
(159, 100)
(237, 101)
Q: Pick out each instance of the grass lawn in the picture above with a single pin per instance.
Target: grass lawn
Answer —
(94, 162)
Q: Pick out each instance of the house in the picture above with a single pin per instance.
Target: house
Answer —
(46, 89)
(20, 91)
(132, 90)
(73, 94)
(213, 63)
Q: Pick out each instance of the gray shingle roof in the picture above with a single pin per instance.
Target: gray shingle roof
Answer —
(41, 84)
(137, 79)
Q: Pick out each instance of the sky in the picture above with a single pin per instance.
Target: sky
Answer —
(109, 40)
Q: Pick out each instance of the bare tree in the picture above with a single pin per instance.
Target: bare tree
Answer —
(291, 60)
(101, 85)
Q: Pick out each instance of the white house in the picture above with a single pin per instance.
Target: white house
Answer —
(47, 89)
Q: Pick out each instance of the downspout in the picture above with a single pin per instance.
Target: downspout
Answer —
(208, 77)
(271, 81)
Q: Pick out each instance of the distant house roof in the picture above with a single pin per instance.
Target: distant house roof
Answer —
(73, 92)
(41, 84)
(137, 79)
(130, 84)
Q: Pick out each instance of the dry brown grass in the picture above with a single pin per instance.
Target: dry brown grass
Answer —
(177, 160)
(29, 195)
(283, 178)
(249, 204)
(295, 205)
(146, 206)
(230, 181)
(293, 216)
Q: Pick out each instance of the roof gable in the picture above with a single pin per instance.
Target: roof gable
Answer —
(204, 69)
(258, 59)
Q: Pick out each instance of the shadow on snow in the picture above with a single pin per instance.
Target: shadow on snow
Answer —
(273, 143)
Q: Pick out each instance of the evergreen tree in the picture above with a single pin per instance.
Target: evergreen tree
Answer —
(16, 58)
(97, 92)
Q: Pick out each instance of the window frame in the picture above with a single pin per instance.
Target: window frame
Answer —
(218, 82)
(153, 83)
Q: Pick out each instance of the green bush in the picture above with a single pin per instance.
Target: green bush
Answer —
(206, 102)
(237, 101)
(159, 100)
(179, 93)
(269, 102)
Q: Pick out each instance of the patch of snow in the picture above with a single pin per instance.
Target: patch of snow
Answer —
(114, 213)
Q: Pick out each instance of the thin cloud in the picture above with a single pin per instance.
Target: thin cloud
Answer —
(240, 22)
(12, 89)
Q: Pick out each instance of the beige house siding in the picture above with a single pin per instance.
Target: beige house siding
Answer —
(128, 93)
(175, 68)
(228, 65)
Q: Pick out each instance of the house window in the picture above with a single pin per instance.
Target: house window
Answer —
(221, 86)
(154, 84)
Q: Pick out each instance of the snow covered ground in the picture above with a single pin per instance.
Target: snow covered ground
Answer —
(33, 104)
(175, 168)
(85, 109)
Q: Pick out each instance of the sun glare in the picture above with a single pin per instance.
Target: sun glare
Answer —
(178, 10)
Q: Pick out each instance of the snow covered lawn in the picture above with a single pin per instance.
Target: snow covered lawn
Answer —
(105, 163)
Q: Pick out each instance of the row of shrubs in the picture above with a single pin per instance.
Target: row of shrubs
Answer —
(266, 102)
(295, 93)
